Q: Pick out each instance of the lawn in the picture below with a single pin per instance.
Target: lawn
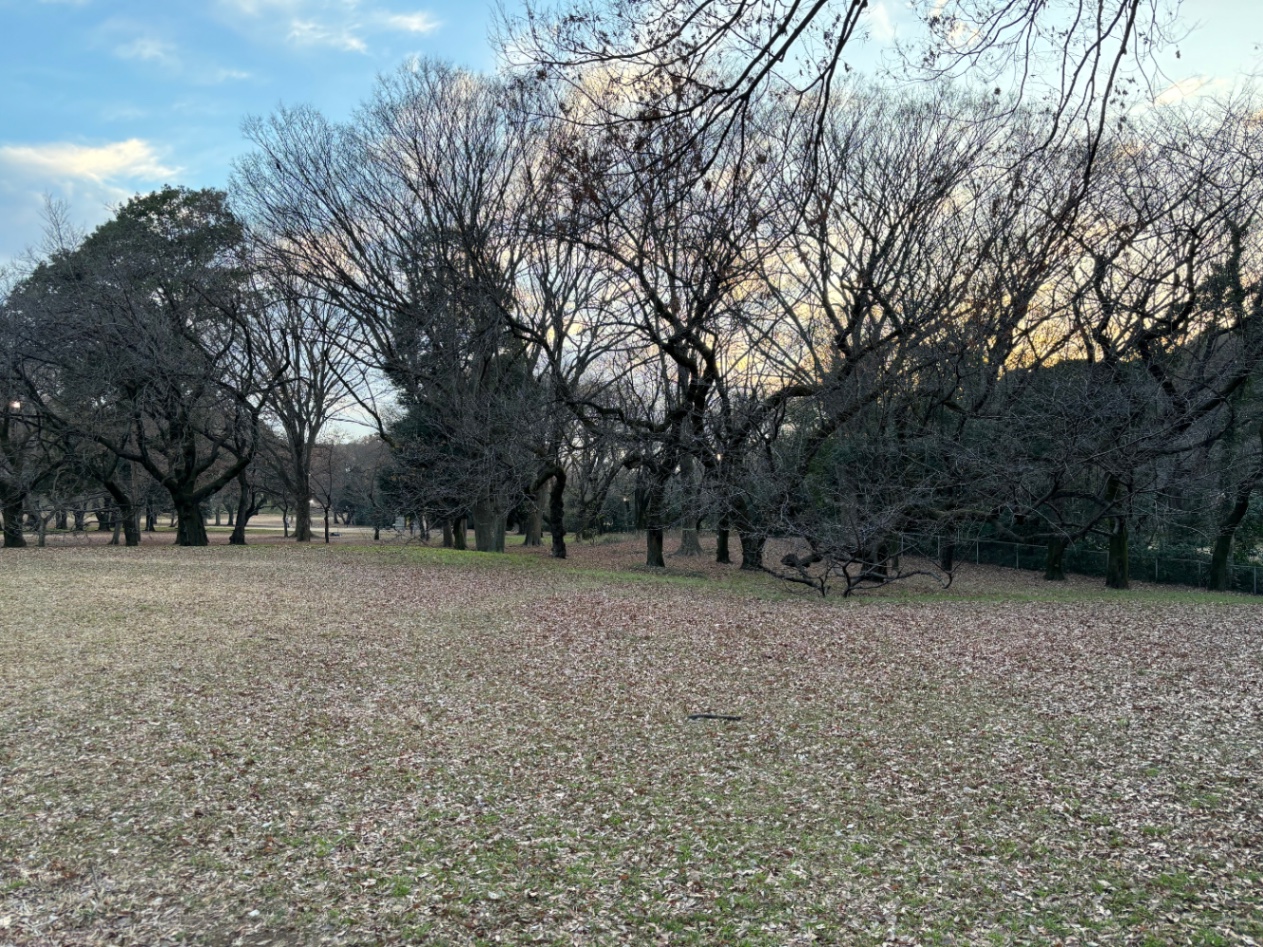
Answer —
(356, 744)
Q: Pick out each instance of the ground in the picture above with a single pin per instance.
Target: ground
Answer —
(360, 744)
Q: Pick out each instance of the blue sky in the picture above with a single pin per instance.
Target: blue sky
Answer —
(105, 98)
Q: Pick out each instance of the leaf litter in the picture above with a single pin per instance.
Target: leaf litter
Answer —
(362, 745)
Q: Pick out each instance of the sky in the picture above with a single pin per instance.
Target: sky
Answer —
(102, 99)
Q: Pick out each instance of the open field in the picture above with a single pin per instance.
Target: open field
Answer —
(361, 745)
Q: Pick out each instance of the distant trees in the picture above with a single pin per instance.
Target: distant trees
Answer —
(416, 221)
(847, 319)
(143, 342)
(303, 345)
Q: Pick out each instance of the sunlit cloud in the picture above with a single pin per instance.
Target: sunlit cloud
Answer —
(1191, 88)
(413, 22)
(347, 25)
(312, 33)
(92, 180)
(130, 159)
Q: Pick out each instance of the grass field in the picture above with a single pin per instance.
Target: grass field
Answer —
(359, 745)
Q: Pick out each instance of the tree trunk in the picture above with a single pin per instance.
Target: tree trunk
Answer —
(1117, 564)
(1221, 553)
(489, 525)
(131, 525)
(232, 517)
(127, 513)
(557, 513)
(721, 546)
(1220, 562)
(190, 525)
(13, 538)
(751, 551)
(640, 498)
(151, 517)
(80, 515)
(1055, 560)
(880, 567)
(326, 509)
(690, 545)
(947, 554)
(459, 538)
(533, 522)
(302, 508)
(655, 531)
(217, 515)
(60, 521)
(448, 533)
(653, 547)
(242, 517)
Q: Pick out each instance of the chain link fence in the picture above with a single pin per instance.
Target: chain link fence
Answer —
(1144, 566)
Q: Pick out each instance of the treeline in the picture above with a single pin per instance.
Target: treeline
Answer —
(837, 323)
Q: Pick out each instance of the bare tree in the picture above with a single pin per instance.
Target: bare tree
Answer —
(706, 63)
(412, 221)
(303, 343)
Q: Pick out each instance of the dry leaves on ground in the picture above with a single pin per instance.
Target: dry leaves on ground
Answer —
(362, 745)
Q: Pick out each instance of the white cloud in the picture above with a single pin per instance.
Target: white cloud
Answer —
(228, 75)
(62, 161)
(258, 7)
(92, 180)
(348, 25)
(149, 49)
(881, 23)
(413, 22)
(1191, 88)
(311, 33)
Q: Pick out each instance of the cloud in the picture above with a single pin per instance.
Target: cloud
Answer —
(186, 64)
(130, 159)
(228, 75)
(1191, 88)
(311, 33)
(413, 22)
(92, 180)
(149, 49)
(881, 25)
(347, 25)
(258, 7)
